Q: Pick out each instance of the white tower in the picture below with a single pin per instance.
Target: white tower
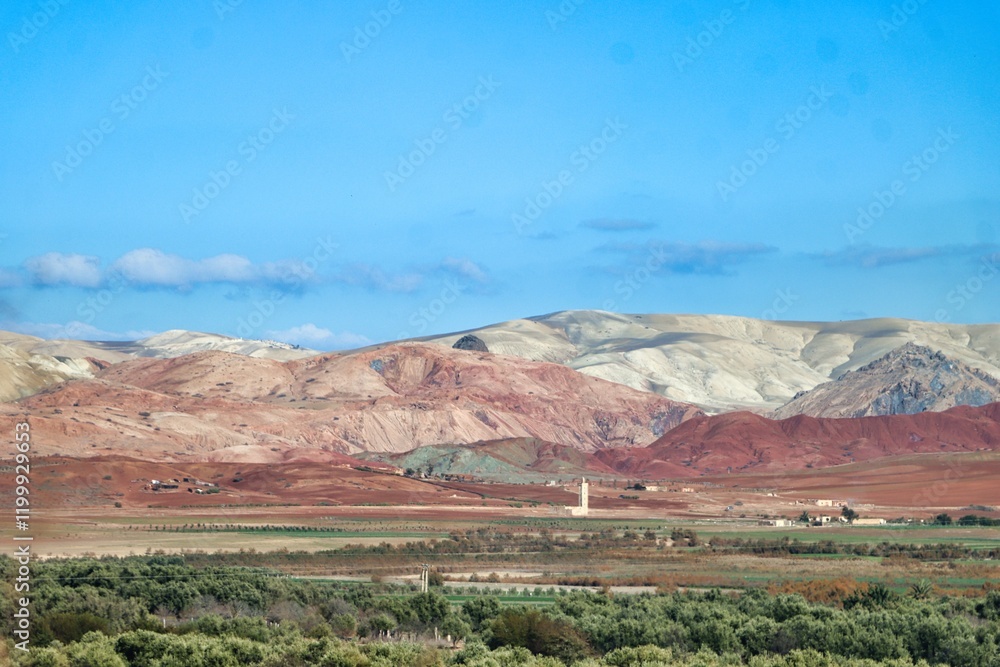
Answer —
(584, 495)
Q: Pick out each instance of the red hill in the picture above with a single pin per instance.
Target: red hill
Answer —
(742, 441)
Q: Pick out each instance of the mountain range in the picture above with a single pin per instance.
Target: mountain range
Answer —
(572, 393)
(29, 363)
(226, 406)
(723, 363)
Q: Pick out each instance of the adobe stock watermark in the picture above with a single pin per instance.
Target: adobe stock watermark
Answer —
(223, 7)
(301, 273)
(365, 34)
(901, 15)
(562, 12)
(21, 500)
(963, 293)
(913, 169)
(634, 280)
(120, 109)
(426, 315)
(784, 299)
(453, 117)
(786, 126)
(931, 495)
(712, 29)
(579, 162)
(247, 152)
(88, 309)
(32, 24)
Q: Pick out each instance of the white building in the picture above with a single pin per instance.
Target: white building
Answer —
(584, 506)
(871, 521)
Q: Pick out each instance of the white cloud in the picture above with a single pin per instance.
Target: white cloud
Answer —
(56, 268)
(154, 268)
(148, 266)
(310, 335)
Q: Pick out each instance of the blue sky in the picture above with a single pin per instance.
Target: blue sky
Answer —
(333, 174)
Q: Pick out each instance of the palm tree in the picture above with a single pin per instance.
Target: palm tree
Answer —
(920, 590)
(879, 594)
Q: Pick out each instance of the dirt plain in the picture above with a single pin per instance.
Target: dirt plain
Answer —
(108, 505)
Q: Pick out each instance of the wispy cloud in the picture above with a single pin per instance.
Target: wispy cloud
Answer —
(375, 278)
(873, 257)
(9, 278)
(310, 335)
(152, 268)
(56, 268)
(464, 268)
(74, 330)
(617, 224)
(704, 257)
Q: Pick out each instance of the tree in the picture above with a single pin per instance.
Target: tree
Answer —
(848, 514)
(380, 624)
(429, 607)
(920, 590)
(70, 627)
(94, 650)
(481, 610)
(455, 627)
(540, 634)
(344, 625)
(876, 596)
(804, 517)
(943, 519)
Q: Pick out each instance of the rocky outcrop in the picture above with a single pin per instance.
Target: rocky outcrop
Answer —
(908, 380)
(470, 342)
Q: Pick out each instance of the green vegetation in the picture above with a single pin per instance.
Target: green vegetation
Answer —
(727, 594)
(165, 611)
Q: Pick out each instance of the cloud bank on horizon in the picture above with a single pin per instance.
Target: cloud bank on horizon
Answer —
(331, 175)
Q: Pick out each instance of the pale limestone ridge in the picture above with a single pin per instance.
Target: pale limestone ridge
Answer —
(722, 362)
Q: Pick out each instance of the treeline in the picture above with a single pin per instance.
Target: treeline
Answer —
(491, 541)
(785, 546)
(162, 612)
(238, 528)
(967, 520)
